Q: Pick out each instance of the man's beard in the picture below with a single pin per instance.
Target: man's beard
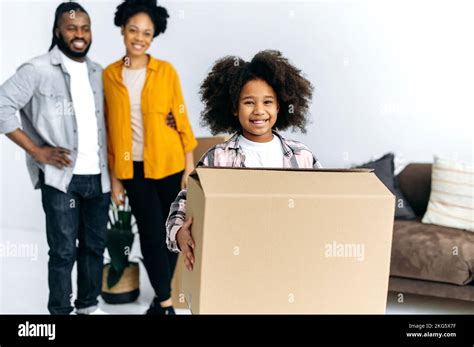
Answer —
(63, 46)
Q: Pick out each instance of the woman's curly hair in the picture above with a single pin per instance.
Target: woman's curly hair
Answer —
(220, 91)
(158, 15)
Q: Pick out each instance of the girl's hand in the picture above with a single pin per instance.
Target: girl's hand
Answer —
(118, 196)
(186, 243)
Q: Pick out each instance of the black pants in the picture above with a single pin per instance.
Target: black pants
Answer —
(80, 214)
(150, 201)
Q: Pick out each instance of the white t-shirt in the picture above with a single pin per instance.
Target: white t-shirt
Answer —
(262, 154)
(134, 80)
(87, 162)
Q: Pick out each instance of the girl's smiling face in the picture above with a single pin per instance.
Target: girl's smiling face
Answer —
(257, 110)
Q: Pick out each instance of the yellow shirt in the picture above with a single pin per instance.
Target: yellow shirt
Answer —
(164, 147)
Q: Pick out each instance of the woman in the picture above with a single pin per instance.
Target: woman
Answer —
(147, 158)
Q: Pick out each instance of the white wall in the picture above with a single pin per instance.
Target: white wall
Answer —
(389, 76)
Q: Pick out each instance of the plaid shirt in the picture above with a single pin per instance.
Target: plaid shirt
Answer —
(230, 154)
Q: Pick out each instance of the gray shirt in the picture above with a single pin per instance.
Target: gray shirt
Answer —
(40, 90)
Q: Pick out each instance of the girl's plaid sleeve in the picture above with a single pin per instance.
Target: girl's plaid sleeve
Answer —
(175, 220)
(177, 213)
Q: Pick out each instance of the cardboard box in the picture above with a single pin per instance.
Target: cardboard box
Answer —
(288, 241)
(177, 294)
(204, 143)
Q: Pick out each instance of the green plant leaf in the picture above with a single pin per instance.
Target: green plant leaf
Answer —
(113, 277)
(125, 219)
(119, 244)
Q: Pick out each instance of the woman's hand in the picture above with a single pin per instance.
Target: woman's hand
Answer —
(184, 179)
(170, 121)
(118, 193)
(186, 243)
(189, 168)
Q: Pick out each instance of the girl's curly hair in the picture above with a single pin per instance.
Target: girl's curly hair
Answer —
(158, 15)
(220, 91)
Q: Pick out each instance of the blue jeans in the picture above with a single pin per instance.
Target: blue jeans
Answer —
(80, 214)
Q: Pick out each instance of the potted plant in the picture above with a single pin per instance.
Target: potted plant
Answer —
(120, 279)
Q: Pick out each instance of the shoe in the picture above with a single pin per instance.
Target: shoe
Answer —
(94, 310)
(169, 311)
(156, 309)
(98, 312)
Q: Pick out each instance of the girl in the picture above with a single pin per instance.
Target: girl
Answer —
(146, 156)
(253, 100)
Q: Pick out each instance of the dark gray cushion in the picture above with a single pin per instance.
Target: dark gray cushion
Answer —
(384, 170)
(415, 184)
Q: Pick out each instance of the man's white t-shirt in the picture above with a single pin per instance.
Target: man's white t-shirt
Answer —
(87, 162)
(262, 154)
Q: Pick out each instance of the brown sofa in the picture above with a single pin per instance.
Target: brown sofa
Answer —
(429, 259)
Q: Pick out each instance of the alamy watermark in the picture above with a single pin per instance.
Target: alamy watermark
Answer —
(345, 250)
(37, 330)
(19, 250)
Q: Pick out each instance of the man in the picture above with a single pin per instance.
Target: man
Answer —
(60, 99)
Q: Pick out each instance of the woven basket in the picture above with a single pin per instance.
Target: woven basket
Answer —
(126, 290)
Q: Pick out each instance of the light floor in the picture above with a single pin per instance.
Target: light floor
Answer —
(24, 287)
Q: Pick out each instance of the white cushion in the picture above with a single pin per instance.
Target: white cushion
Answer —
(451, 201)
